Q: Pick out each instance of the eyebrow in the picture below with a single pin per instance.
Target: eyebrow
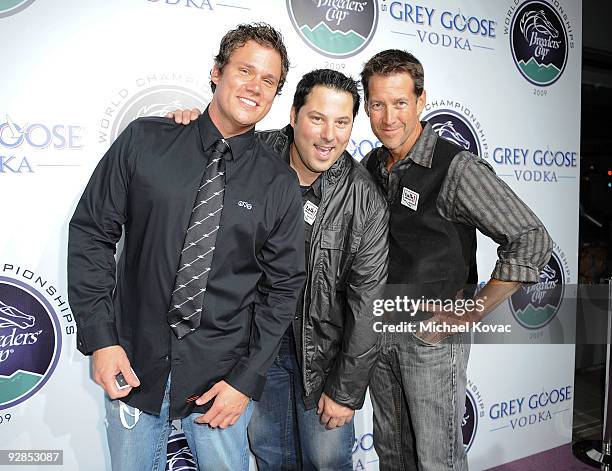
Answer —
(321, 114)
(251, 66)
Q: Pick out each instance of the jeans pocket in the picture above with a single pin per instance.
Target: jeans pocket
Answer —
(424, 343)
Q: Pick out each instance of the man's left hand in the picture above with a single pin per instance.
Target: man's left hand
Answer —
(331, 414)
(228, 406)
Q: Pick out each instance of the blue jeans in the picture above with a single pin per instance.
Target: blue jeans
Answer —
(284, 435)
(418, 398)
(138, 440)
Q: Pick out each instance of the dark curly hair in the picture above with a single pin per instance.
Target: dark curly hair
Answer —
(326, 78)
(264, 35)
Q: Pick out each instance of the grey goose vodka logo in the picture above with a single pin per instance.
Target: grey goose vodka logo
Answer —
(539, 43)
(334, 28)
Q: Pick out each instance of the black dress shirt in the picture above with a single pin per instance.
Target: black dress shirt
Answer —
(147, 182)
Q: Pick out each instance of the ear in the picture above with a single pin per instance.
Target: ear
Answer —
(366, 108)
(215, 75)
(292, 117)
(421, 102)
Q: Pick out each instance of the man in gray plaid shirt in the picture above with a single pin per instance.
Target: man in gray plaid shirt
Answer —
(438, 195)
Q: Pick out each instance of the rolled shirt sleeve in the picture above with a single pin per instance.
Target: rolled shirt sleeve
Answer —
(473, 194)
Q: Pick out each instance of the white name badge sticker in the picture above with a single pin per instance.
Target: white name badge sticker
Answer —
(410, 198)
(310, 212)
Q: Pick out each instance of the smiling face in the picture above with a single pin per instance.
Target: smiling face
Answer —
(245, 89)
(394, 109)
(321, 131)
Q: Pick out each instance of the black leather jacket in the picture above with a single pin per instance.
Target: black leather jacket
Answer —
(346, 271)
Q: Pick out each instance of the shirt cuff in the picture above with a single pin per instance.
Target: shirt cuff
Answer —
(508, 270)
(246, 381)
(95, 336)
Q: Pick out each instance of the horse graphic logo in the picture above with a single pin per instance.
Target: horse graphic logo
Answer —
(448, 132)
(456, 128)
(12, 317)
(539, 42)
(534, 22)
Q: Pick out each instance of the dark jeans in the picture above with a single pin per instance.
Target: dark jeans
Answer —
(418, 397)
(284, 435)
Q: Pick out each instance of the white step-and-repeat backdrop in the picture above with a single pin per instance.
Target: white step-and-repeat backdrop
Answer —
(503, 76)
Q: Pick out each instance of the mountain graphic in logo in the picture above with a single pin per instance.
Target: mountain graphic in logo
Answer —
(334, 41)
(334, 29)
(11, 7)
(30, 341)
(538, 40)
(540, 73)
(19, 383)
(535, 305)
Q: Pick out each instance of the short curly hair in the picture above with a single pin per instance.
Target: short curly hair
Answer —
(264, 35)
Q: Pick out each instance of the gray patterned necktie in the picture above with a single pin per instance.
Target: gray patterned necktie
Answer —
(186, 305)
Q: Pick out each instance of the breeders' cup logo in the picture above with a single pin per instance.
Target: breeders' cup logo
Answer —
(535, 305)
(30, 341)
(469, 422)
(474, 409)
(538, 40)
(179, 456)
(11, 7)
(150, 98)
(459, 126)
(334, 28)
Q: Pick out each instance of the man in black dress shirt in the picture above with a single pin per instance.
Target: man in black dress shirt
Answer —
(148, 182)
(304, 420)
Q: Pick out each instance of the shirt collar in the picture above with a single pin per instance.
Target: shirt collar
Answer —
(421, 152)
(209, 134)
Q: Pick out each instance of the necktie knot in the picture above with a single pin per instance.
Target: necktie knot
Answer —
(220, 147)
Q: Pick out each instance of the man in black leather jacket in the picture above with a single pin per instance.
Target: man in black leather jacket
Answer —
(304, 419)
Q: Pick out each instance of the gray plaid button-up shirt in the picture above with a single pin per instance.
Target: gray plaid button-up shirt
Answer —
(473, 194)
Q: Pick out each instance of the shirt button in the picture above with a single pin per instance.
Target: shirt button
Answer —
(296, 317)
